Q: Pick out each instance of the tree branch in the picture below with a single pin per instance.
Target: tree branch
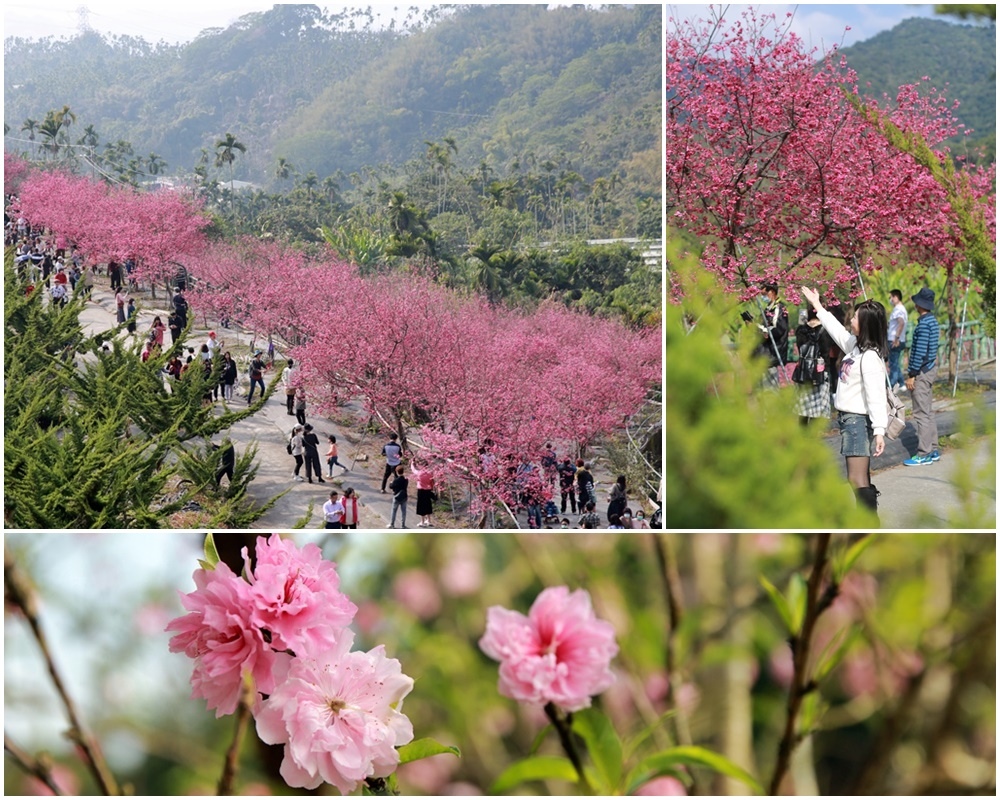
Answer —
(19, 593)
(233, 753)
(37, 767)
(801, 643)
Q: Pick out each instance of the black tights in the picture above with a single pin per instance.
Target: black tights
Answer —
(858, 471)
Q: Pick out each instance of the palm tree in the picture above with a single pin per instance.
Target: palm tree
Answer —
(309, 183)
(31, 126)
(156, 165)
(65, 117)
(283, 169)
(332, 189)
(50, 129)
(225, 153)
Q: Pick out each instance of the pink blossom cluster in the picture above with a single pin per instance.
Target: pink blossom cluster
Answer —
(284, 628)
(769, 164)
(560, 653)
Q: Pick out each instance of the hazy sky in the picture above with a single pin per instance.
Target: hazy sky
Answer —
(822, 25)
(177, 21)
(819, 24)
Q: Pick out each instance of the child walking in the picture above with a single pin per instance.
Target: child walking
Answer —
(331, 456)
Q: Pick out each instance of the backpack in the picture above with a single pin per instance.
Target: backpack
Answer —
(810, 367)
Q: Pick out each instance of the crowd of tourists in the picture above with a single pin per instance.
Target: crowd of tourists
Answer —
(534, 483)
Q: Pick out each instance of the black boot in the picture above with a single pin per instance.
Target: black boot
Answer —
(868, 497)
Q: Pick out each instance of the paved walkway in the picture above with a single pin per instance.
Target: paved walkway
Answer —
(959, 491)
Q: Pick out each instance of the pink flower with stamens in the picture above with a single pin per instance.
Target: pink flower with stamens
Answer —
(339, 716)
(560, 653)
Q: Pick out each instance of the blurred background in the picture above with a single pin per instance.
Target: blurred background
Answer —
(908, 708)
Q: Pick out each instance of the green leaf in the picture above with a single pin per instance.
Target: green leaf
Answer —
(211, 554)
(779, 602)
(604, 747)
(630, 746)
(664, 762)
(844, 638)
(424, 748)
(850, 557)
(536, 768)
(539, 739)
(797, 600)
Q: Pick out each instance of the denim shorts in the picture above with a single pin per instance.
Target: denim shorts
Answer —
(856, 434)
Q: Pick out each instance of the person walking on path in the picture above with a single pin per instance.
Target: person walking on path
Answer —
(393, 456)
(121, 298)
(310, 446)
(350, 501)
(257, 367)
(921, 372)
(287, 378)
(333, 511)
(130, 316)
(567, 476)
(585, 485)
(425, 495)
(897, 338)
(331, 456)
(618, 499)
(228, 376)
(295, 448)
(861, 392)
(300, 407)
(399, 487)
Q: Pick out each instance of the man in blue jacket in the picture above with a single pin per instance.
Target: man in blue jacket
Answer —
(921, 372)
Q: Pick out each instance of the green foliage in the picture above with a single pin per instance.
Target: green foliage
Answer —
(94, 437)
(737, 456)
(966, 10)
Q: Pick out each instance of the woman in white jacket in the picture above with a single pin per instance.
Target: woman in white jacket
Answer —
(861, 392)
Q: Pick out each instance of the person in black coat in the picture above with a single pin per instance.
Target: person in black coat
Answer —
(310, 450)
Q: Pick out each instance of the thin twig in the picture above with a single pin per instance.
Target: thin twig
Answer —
(19, 593)
(675, 612)
(801, 649)
(233, 753)
(33, 766)
(562, 725)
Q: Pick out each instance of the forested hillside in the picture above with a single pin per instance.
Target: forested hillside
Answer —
(337, 93)
(959, 60)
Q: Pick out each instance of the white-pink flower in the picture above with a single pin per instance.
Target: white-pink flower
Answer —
(339, 716)
(560, 653)
(296, 596)
(219, 636)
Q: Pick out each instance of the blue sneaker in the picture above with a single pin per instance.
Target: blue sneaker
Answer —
(936, 455)
(919, 460)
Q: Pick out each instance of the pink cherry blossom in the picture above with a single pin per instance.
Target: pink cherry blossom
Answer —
(338, 715)
(664, 786)
(224, 643)
(560, 653)
(296, 596)
(416, 590)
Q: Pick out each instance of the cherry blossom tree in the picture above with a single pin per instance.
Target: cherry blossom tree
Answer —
(769, 161)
